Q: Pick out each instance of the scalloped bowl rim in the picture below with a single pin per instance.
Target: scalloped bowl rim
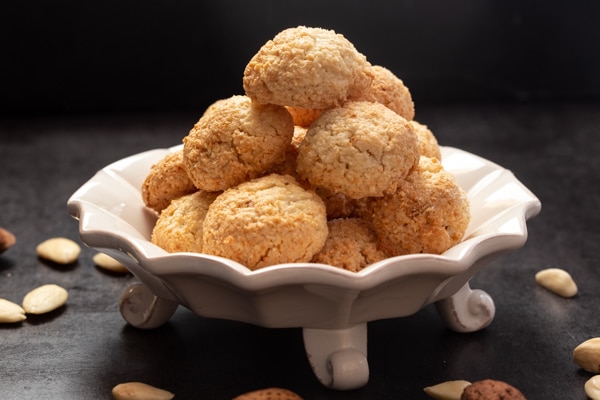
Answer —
(103, 225)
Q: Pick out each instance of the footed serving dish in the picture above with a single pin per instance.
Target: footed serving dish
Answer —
(331, 305)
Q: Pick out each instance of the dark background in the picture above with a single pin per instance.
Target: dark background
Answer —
(87, 83)
(114, 56)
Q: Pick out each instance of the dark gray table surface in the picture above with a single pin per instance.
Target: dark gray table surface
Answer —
(85, 348)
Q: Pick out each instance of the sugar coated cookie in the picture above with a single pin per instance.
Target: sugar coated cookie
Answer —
(428, 144)
(429, 212)
(311, 68)
(236, 140)
(351, 245)
(265, 221)
(179, 226)
(167, 180)
(389, 90)
(361, 149)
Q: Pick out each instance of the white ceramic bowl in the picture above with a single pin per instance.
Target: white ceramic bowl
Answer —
(330, 304)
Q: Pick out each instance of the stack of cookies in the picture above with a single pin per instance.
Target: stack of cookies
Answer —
(320, 161)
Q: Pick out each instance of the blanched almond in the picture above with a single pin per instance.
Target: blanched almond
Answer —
(44, 299)
(557, 281)
(592, 387)
(450, 390)
(140, 391)
(59, 250)
(587, 355)
(11, 312)
(108, 263)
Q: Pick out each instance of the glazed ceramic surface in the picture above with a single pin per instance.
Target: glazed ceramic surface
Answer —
(114, 220)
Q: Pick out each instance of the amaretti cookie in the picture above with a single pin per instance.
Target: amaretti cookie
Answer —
(361, 149)
(428, 213)
(236, 140)
(490, 389)
(386, 88)
(167, 180)
(266, 221)
(351, 245)
(311, 68)
(179, 226)
(428, 144)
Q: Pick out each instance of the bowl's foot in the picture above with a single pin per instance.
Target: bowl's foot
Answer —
(467, 310)
(142, 309)
(338, 357)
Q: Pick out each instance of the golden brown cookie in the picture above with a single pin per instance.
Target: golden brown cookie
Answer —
(389, 90)
(361, 149)
(179, 226)
(311, 68)
(236, 140)
(350, 245)
(266, 221)
(167, 180)
(429, 212)
(269, 394)
(489, 389)
(428, 144)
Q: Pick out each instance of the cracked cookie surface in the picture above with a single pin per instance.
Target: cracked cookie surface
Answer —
(266, 221)
(362, 149)
(236, 140)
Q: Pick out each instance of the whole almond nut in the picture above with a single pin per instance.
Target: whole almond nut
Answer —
(587, 355)
(108, 263)
(557, 281)
(7, 239)
(450, 390)
(592, 387)
(140, 391)
(11, 312)
(269, 394)
(59, 250)
(44, 299)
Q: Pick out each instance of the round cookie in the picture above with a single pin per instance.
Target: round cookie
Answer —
(167, 180)
(179, 226)
(266, 221)
(311, 68)
(389, 90)
(490, 389)
(362, 149)
(351, 245)
(236, 140)
(428, 144)
(429, 212)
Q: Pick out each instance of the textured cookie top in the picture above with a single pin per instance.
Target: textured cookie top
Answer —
(179, 226)
(351, 245)
(167, 180)
(389, 90)
(361, 149)
(490, 389)
(429, 212)
(266, 221)
(236, 140)
(428, 144)
(307, 68)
